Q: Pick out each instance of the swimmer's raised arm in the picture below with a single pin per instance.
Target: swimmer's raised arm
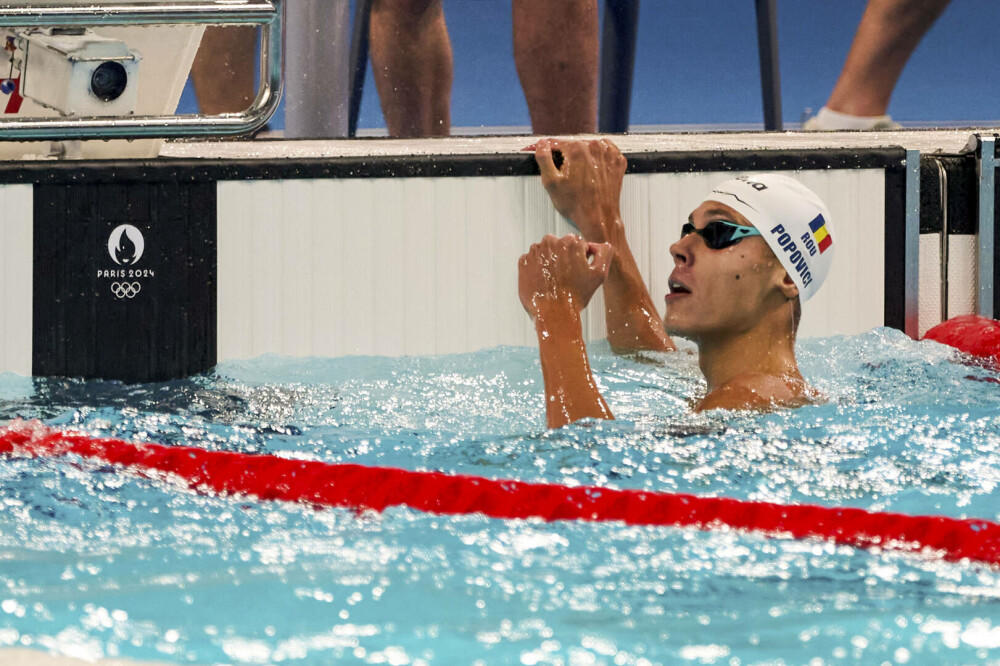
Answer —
(556, 280)
(586, 188)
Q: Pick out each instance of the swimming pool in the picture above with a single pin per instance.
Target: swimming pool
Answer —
(96, 562)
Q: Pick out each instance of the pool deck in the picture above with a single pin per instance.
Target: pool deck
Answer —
(937, 141)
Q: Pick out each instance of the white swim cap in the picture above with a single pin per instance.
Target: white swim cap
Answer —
(791, 218)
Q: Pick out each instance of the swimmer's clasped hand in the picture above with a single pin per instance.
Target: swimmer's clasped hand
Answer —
(567, 270)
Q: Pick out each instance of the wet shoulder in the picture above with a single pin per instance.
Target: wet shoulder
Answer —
(760, 392)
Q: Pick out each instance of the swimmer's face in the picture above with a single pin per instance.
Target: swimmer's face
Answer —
(721, 292)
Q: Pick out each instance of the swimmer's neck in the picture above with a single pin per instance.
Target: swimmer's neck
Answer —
(756, 352)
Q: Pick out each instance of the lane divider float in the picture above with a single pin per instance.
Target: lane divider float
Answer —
(360, 487)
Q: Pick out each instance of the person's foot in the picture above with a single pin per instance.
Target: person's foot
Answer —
(827, 120)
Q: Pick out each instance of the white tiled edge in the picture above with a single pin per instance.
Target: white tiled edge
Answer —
(409, 266)
(16, 278)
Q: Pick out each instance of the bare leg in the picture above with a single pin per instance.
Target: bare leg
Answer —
(411, 60)
(223, 71)
(556, 50)
(889, 32)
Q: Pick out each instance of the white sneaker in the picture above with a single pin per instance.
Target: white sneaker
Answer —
(827, 120)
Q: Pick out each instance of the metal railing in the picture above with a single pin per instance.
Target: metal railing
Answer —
(987, 168)
(618, 60)
(268, 14)
(911, 248)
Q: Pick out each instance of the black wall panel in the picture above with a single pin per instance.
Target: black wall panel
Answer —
(108, 312)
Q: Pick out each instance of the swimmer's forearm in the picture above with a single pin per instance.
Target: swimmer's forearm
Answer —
(632, 320)
(571, 393)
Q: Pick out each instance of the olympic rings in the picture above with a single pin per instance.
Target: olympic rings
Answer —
(125, 289)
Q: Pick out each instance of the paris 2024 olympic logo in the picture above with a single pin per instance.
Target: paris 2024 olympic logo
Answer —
(126, 245)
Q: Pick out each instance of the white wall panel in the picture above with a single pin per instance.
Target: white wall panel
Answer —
(963, 262)
(449, 262)
(16, 276)
(429, 265)
(930, 282)
(419, 237)
(485, 305)
(963, 271)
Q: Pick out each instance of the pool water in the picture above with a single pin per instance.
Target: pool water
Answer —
(96, 562)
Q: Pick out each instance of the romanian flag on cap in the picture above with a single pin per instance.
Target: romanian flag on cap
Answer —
(822, 236)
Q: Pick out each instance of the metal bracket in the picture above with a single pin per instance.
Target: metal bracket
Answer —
(268, 14)
(911, 274)
(945, 236)
(987, 201)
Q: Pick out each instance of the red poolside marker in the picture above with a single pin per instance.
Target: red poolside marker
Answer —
(973, 334)
(360, 487)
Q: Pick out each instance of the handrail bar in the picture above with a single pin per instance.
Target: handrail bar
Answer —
(987, 172)
(40, 15)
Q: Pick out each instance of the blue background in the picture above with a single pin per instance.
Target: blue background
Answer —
(697, 64)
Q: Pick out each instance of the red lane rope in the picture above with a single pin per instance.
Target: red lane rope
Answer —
(359, 487)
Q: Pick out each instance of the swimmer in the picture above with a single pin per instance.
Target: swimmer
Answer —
(749, 254)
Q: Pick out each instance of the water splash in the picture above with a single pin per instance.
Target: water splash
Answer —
(99, 563)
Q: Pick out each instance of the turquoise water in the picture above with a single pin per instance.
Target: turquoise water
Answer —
(99, 563)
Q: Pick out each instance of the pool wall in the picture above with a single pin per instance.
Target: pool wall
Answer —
(345, 248)
(391, 266)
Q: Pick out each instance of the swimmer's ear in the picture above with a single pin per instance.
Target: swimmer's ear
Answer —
(789, 288)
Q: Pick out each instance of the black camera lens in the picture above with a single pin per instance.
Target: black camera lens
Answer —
(109, 81)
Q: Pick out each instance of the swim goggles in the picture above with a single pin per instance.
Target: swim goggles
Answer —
(720, 234)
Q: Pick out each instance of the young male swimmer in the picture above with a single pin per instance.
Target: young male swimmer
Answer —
(753, 249)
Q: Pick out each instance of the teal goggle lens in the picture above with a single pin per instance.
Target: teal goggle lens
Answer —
(720, 234)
